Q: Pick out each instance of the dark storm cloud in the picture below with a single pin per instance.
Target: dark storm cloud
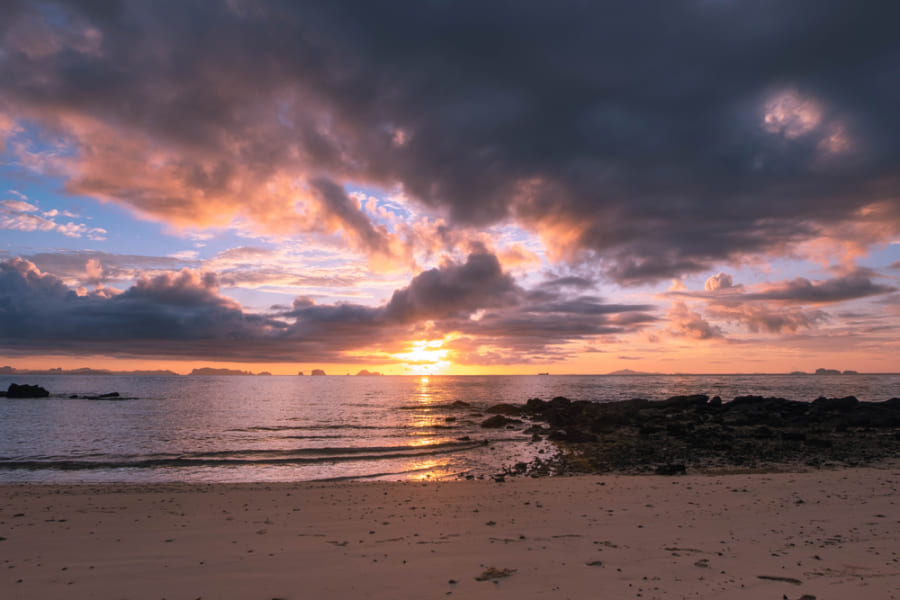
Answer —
(455, 289)
(653, 138)
(183, 314)
(174, 313)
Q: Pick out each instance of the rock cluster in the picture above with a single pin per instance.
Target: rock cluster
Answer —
(16, 390)
(698, 432)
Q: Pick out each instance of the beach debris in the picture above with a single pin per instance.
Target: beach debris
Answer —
(24, 390)
(493, 573)
(790, 580)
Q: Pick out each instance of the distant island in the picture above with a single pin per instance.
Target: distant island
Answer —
(631, 372)
(317, 372)
(7, 370)
(364, 373)
(219, 372)
(835, 372)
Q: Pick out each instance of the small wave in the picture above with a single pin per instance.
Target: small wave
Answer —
(228, 458)
(308, 427)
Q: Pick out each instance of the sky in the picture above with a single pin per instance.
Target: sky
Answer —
(435, 186)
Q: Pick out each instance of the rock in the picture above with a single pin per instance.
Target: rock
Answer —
(496, 422)
(509, 410)
(835, 404)
(318, 372)
(763, 433)
(684, 401)
(535, 405)
(818, 443)
(671, 469)
(459, 404)
(16, 390)
(535, 429)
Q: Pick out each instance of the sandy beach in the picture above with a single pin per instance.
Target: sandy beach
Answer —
(822, 534)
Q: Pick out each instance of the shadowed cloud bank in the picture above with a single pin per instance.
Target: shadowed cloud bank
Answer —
(183, 314)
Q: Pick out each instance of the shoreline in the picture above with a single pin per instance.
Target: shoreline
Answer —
(825, 533)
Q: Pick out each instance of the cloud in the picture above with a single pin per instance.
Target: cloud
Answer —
(175, 314)
(15, 215)
(719, 281)
(838, 289)
(202, 114)
(184, 314)
(72, 266)
(455, 290)
(780, 306)
(684, 322)
(18, 206)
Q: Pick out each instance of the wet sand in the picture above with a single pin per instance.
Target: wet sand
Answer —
(822, 534)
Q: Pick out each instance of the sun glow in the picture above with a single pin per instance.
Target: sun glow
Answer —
(425, 357)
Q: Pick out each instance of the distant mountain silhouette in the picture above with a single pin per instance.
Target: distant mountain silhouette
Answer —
(631, 372)
(7, 370)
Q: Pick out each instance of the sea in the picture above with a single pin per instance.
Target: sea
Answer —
(304, 428)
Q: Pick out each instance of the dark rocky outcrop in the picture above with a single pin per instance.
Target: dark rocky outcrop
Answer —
(696, 431)
(498, 421)
(510, 410)
(24, 390)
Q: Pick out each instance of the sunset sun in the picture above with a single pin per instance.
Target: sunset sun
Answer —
(425, 357)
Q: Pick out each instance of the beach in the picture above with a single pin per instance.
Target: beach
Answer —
(820, 533)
